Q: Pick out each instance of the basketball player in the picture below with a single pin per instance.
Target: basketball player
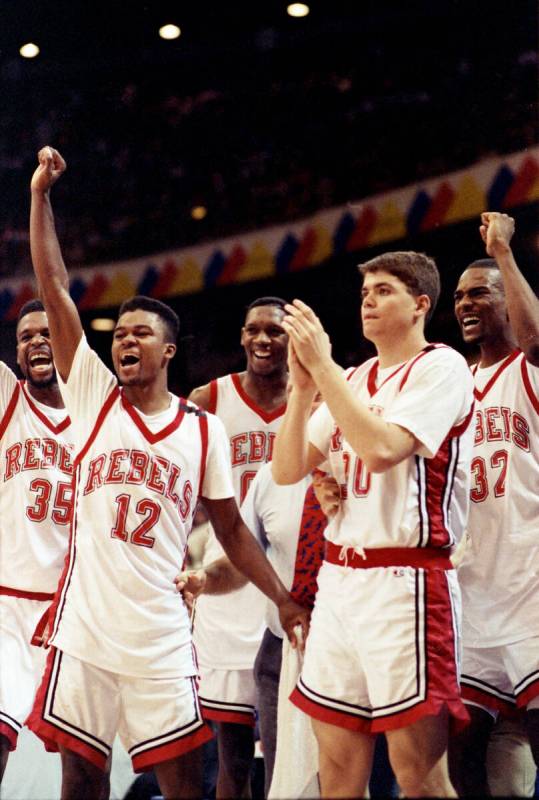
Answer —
(382, 648)
(121, 656)
(35, 508)
(227, 634)
(498, 311)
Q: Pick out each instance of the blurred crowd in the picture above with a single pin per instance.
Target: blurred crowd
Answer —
(258, 145)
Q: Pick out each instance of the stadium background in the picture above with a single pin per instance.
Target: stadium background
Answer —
(266, 121)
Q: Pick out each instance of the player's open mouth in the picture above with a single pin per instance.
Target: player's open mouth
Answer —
(262, 354)
(40, 362)
(469, 322)
(129, 360)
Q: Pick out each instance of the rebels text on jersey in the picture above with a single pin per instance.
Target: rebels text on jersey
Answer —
(137, 481)
(35, 490)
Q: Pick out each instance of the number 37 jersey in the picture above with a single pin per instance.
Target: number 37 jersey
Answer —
(35, 490)
(499, 576)
(137, 479)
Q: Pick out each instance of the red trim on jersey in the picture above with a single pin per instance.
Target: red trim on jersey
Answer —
(203, 423)
(424, 557)
(212, 404)
(528, 694)
(237, 717)
(50, 734)
(150, 437)
(65, 423)
(459, 716)
(145, 761)
(436, 478)
(56, 609)
(264, 415)
(107, 405)
(428, 349)
(373, 374)
(4, 422)
(10, 734)
(533, 398)
(26, 595)
(505, 363)
(458, 430)
(487, 700)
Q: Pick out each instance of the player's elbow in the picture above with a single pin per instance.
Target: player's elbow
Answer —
(284, 474)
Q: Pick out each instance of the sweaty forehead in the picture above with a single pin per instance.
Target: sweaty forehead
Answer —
(34, 321)
(139, 317)
(479, 276)
(265, 315)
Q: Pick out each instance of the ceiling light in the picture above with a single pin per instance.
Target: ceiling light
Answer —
(298, 9)
(29, 50)
(102, 324)
(169, 31)
(199, 212)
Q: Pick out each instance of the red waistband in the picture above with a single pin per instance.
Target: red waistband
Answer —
(419, 557)
(26, 595)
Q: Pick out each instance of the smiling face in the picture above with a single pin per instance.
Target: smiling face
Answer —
(140, 351)
(388, 309)
(34, 352)
(480, 306)
(264, 340)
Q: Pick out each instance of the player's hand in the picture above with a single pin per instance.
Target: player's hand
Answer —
(328, 493)
(310, 341)
(292, 615)
(190, 584)
(496, 231)
(299, 378)
(51, 166)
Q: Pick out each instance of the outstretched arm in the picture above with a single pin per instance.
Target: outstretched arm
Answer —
(248, 557)
(63, 317)
(522, 304)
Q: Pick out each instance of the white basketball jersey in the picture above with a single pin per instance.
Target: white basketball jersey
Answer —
(35, 490)
(500, 572)
(423, 500)
(228, 628)
(137, 479)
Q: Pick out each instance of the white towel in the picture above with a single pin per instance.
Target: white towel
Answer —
(295, 774)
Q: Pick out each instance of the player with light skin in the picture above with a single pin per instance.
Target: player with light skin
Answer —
(141, 351)
(498, 312)
(259, 398)
(393, 316)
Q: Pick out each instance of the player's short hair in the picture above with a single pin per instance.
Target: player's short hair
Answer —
(484, 263)
(489, 263)
(266, 301)
(417, 271)
(29, 307)
(170, 319)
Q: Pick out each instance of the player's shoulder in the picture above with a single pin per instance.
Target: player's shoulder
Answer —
(438, 352)
(205, 396)
(6, 373)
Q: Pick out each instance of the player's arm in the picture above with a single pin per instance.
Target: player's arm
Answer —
(64, 321)
(201, 397)
(219, 577)
(380, 445)
(522, 304)
(248, 558)
(294, 456)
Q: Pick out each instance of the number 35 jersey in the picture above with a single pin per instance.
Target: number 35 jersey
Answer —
(500, 572)
(35, 490)
(137, 479)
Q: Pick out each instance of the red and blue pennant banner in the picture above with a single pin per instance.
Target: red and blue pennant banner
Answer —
(495, 184)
